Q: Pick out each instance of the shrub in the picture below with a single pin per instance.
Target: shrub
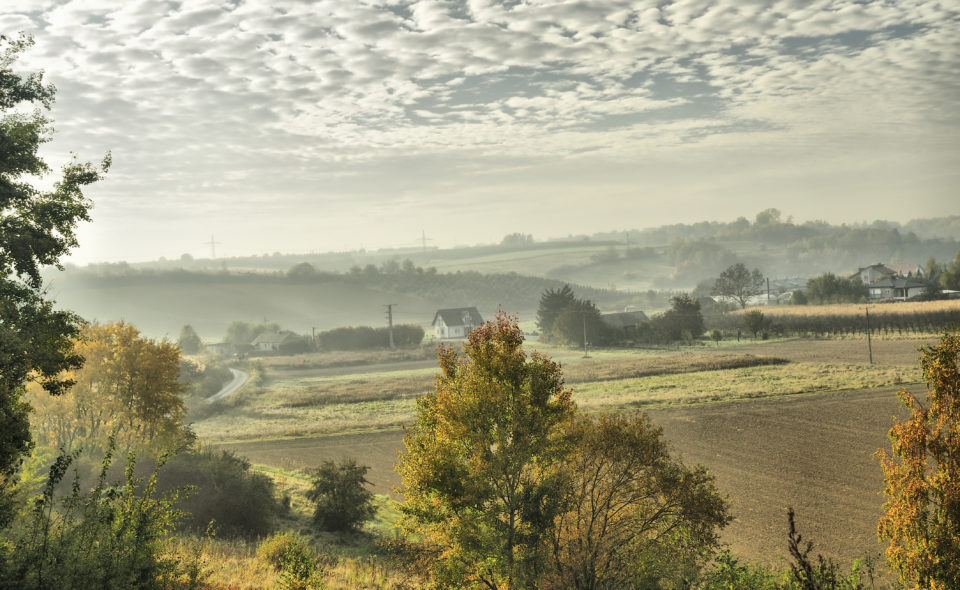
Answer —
(341, 503)
(290, 554)
(116, 536)
(922, 509)
(240, 502)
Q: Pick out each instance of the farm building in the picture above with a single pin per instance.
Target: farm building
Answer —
(625, 320)
(897, 289)
(455, 322)
(219, 348)
(274, 341)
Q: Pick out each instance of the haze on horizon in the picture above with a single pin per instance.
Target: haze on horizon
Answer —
(300, 126)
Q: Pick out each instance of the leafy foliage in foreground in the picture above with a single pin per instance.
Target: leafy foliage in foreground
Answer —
(513, 490)
(37, 228)
(113, 537)
(922, 477)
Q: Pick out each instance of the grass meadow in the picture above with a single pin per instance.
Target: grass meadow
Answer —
(299, 399)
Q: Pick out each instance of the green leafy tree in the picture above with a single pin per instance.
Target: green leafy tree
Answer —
(739, 283)
(829, 288)
(716, 336)
(189, 340)
(754, 321)
(580, 321)
(922, 477)
(634, 517)
(37, 228)
(341, 502)
(683, 321)
(950, 276)
(482, 470)
(553, 302)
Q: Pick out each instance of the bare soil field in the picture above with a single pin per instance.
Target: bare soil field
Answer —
(813, 452)
(886, 351)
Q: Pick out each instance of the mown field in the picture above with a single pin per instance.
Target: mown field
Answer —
(780, 423)
(312, 398)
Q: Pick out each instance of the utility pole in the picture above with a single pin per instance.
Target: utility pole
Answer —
(584, 316)
(389, 307)
(869, 346)
(213, 246)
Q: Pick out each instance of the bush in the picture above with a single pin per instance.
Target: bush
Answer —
(341, 502)
(365, 337)
(292, 557)
(240, 502)
(116, 536)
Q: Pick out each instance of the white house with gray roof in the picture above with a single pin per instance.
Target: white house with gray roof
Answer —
(456, 322)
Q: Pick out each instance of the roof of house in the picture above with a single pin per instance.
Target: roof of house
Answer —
(896, 283)
(274, 338)
(879, 267)
(623, 319)
(905, 269)
(459, 316)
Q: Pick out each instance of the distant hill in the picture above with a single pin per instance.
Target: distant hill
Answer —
(161, 302)
(668, 257)
(614, 269)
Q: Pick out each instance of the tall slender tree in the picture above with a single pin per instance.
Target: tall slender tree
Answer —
(482, 467)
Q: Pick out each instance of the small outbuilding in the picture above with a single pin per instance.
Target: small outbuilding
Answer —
(456, 322)
(627, 321)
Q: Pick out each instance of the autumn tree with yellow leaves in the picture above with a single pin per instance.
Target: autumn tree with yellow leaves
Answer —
(921, 523)
(128, 384)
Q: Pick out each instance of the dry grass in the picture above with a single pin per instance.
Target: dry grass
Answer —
(671, 364)
(857, 309)
(234, 565)
(741, 383)
(324, 360)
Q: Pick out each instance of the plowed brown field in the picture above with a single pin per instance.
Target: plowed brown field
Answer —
(813, 452)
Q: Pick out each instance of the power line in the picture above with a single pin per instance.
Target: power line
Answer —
(389, 307)
(213, 246)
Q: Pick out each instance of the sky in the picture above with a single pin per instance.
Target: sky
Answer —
(311, 126)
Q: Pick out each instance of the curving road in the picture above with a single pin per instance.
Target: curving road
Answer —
(239, 378)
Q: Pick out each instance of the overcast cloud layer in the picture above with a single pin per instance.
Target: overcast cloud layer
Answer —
(319, 125)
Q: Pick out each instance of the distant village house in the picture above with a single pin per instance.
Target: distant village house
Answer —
(456, 322)
(875, 272)
(282, 341)
(895, 289)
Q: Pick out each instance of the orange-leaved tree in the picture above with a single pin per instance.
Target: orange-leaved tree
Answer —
(921, 523)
